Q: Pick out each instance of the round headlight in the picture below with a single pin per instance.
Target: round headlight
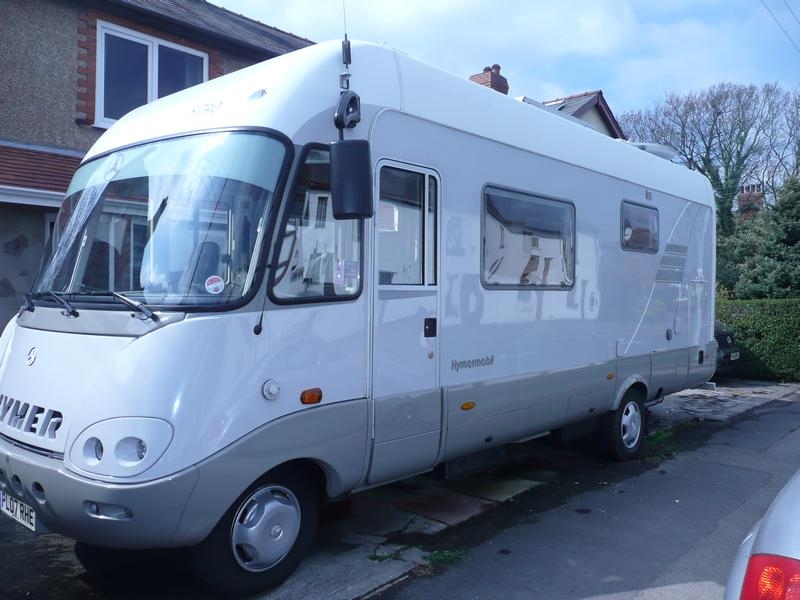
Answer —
(134, 444)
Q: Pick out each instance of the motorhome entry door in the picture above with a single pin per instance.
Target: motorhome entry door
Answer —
(405, 343)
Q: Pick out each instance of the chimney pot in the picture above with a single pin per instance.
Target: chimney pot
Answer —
(491, 78)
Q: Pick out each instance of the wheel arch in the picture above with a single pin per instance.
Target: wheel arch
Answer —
(632, 382)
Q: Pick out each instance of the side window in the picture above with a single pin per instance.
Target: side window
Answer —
(527, 241)
(407, 227)
(319, 257)
(639, 228)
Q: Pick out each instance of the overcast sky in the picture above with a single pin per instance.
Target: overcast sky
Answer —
(634, 50)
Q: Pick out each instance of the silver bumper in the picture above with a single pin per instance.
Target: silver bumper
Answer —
(129, 515)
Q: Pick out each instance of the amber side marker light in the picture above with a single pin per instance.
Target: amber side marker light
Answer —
(468, 406)
(311, 396)
(771, 577)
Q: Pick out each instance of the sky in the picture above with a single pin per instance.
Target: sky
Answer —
(633, 50)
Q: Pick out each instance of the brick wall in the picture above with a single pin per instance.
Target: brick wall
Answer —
(49, 61)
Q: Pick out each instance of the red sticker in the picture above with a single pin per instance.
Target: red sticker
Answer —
(215, 284)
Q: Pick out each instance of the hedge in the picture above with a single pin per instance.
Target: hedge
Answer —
(768, 334)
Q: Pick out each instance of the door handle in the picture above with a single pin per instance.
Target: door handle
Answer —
(430, 327)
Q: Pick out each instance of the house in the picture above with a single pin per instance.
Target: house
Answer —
(750, 200)
(71, 68)
(590, 108)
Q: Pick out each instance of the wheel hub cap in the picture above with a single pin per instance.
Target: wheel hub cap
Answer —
(631, 425)
(265, 528)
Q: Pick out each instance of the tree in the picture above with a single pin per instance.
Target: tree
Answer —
(769, 263)
(729, 133)
(783, 148)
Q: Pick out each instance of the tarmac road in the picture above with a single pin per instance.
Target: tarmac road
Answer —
(559, 524)
(667, 533)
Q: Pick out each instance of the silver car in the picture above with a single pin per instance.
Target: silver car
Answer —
(767, 565)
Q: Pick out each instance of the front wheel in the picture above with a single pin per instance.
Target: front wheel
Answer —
(622, 430)
(263, 536)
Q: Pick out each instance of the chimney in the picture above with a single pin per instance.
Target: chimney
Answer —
(750, 200)
(491, 78)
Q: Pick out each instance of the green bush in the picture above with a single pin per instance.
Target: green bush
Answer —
(768, 334)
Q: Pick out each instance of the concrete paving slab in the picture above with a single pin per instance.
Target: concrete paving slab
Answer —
(496, 489)
(347, 575)
(377, 521)
(444, 505)
(425, 526)
(729, 400)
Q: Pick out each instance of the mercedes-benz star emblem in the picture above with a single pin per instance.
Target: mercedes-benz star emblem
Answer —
(32, 356)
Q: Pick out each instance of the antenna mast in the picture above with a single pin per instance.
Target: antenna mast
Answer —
(348, 111)
(344, 78)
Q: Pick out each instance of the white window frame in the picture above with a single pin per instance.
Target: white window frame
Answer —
(152, 43)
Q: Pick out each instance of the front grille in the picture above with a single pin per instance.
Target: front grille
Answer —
(34, 449)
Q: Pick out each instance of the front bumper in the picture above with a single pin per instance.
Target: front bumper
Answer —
(130, 515)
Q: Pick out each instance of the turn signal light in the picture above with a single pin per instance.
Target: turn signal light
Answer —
(770, 577)
(311, 396)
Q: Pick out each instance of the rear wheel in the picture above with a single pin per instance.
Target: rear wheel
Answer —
(263, 536)
(622, 430)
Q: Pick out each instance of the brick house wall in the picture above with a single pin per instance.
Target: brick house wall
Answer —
(47, 112)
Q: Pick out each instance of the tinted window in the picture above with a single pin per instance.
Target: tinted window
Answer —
(528, 241)
(639, 228)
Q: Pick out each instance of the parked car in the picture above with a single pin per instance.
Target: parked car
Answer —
(727, 350)
(767, 565)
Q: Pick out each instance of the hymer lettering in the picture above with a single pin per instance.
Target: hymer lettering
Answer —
(29, 418)
(475, 363)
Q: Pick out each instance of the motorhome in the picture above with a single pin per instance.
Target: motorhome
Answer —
(309, 278)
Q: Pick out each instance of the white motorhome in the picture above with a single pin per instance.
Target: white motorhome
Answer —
(267, 290)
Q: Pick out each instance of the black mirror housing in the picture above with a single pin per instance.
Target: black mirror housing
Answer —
(351, 179)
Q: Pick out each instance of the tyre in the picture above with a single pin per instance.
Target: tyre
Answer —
(622, 430)
(263, 536)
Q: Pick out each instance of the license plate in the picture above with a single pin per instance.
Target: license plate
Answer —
(734, 356)
(19, 511)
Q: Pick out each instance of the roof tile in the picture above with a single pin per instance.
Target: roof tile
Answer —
(35, 169)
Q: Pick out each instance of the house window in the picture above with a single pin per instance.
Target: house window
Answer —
(528, 241)
(134, 69)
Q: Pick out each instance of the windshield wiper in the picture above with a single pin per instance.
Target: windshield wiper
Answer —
(67, 309)
(27, 304)
(144, 312)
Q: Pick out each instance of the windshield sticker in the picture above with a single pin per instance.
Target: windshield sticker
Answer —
(338, 274)
(215, 285)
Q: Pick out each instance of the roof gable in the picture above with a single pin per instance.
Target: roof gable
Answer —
(578, 105)
(220, 23)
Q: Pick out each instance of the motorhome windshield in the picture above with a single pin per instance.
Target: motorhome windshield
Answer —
(173, 222)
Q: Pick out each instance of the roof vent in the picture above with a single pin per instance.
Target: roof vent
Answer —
(660, 150)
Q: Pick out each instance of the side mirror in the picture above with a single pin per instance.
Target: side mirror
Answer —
(351, 179)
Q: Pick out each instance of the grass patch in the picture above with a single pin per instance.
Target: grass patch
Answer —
(395, 555)
(660, 445)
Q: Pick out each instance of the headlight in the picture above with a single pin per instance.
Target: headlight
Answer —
(121, 447)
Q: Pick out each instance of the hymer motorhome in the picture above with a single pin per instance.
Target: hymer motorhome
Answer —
(291, 283)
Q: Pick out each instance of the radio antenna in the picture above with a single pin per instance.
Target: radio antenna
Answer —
(348, 111)
(344, 78)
